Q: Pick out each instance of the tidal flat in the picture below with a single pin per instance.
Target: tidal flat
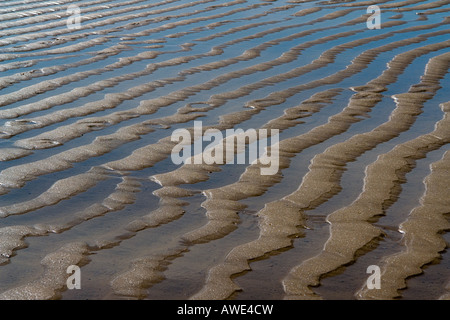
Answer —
(91, 93)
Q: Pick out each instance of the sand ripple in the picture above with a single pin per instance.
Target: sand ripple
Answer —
(86, 178)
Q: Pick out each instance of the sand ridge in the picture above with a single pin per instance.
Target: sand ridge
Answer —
(100, 111)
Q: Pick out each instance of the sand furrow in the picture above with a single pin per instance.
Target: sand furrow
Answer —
(350, 226)
(53, 279)
(62, 135)
(317, 186)
(13, 237)
(422, 234)
(65, 98)
(87, 170)
(113, 100)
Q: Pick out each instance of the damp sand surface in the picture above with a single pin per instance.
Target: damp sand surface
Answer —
(87, 178)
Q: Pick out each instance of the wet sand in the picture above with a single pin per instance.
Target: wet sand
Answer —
(86, 177)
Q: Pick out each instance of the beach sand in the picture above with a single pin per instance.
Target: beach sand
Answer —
(89, 100)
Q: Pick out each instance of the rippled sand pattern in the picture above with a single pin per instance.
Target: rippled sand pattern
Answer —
(86, 176)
